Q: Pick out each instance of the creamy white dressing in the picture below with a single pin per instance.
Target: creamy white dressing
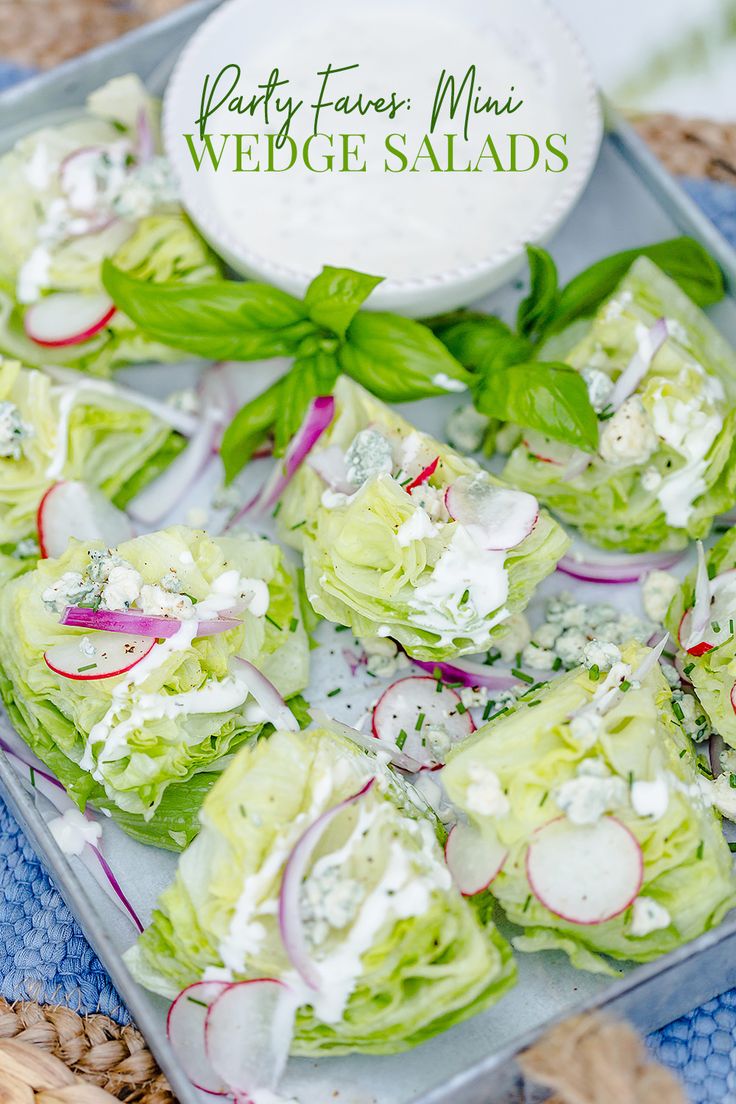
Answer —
(650, 798)
(72, 831)
(417, 527)
(484, 794)
(647, 915)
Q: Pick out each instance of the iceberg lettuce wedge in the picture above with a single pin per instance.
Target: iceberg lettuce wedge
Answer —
(145, 745)
(666, 464)
(401, 955)
(559, 757)
(382, 553)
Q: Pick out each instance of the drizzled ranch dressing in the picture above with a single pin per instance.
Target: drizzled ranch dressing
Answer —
(405, 223)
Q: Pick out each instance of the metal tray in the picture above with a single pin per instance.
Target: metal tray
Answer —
(629, 200)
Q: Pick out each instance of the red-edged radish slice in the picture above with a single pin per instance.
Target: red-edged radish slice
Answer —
(134, 623)
(585, 873)
(733, 697)
(413, 706)
(291, 924)
(545, 449)
(474, 858)
(424, 475)
(67, 318)
(71, 508)
(185, 1027)
(496, 517)
(114, 654)
(248, 1030)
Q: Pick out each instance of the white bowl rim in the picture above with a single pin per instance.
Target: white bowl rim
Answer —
(279, 274)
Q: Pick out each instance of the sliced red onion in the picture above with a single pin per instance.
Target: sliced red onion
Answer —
(368, 743)
(319, 415)
(183, 423)
(354, 662)
(624, 569)
(700, 613)
(165, 492)
(639, 365)
(476, 674)
(248, 1029)
(424, 475)
(266, 694)
(290, 915)
(329, 464)
(133, 623)
(145, 143)
(215, 391)
(29, 768)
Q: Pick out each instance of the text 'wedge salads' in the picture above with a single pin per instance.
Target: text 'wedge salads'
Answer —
(591, 792)
(76, 429)
(71, 194)
(134, 672)
(404, 537)
(320, 868)
(663, 381)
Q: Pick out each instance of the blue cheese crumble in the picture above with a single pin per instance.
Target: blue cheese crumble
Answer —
(13, 432)
(369, 454)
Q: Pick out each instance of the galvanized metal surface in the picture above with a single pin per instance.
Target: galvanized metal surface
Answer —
(629, 200)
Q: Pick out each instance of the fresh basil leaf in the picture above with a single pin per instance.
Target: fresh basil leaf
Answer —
(538, 308)
(334, 297)
(311, 375)
(684, 260)
(484, 342)
(220, 320)
(398, 359)
(551, 398)
(249, 428)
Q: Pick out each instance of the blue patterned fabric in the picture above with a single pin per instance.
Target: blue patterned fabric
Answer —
(45, 957)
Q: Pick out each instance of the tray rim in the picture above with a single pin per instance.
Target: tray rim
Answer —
(683, 210)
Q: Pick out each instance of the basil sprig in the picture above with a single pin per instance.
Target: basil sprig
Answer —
(510, 382)
(326, 333)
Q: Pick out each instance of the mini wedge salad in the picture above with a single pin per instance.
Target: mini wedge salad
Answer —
(608, 844)
(702, 618)
(404, 537)
(72, 193)
(134, 672)
(73, 448)
(663, 381)
(319, 868)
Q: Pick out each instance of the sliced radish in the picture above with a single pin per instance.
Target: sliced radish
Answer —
(114, 654)
(495, 517)
(71, 508)
(290, 915)
(474, 858)
(67, 318)
(585, 873)
(424, 475)
(733, 697)
(185, 1027)
(411, 708)
(134, 623)
(248, 1030)
(545, 449)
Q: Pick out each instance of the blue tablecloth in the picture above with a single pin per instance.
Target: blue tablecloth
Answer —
(45, 957)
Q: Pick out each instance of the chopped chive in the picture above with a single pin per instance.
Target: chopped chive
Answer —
(683, 753)
(537, 701)
(557, 664)
(631, 779)
(732, 781)
(460, 708)
(342, 628)
(700, 720)
(272, 622)
(522, 675)
(701, 849)
(276, 509)
(298, 525)
(500, 713)
(689, 668)
(704, 770)
(527, 903)
(294, 624)
(193, 1000)
(487, 710)
(677, 710)
(333, 693)
(715, 626)
(518, 659)
(406, 482)
(465, 597)
(594, 672)
(33, 777)
(731, 846)
(401, 739)
(420, 722)
(545, 795)
(625, 685)
(87, 667)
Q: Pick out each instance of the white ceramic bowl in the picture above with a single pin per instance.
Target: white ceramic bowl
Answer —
(533, 36)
